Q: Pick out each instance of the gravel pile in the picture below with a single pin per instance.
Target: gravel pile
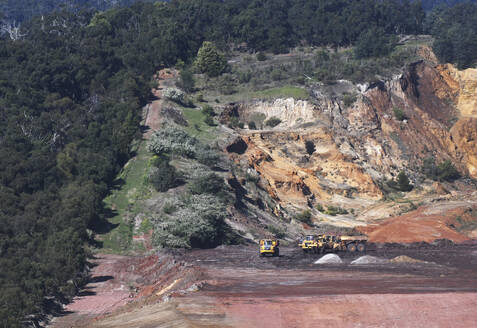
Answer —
(405, 259)
(369, 260)
(329, 259)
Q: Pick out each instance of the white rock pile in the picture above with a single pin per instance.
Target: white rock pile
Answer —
(329, 259)
(368, 260)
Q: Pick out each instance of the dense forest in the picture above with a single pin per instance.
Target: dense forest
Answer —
(72, 85)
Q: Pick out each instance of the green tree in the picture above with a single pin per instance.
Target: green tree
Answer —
(210, 60)
(374, 43)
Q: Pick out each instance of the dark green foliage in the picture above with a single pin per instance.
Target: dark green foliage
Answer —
(207, 184)
(335, 210)
(349, 99)
(455, 32)
(210, 61)
(273, 122)
(277, 231)
(320, 208)
(261, 56)
(163, 176)
(444, 171)
(209, 120)
(305, 217)
(208, 110)
(310, 147)
(374, 43)
(187, 81)
(399, 114)
(252, 125)
(401, 184)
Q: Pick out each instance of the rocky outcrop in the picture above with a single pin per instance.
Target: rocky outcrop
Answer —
(359, 146)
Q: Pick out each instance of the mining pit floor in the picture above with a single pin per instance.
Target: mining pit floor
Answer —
(231, 286)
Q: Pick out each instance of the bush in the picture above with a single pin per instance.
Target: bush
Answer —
(310, 147)
(277, 232)
(251, 125)
(170, 139)
(210, 61)
(209, 183)
(445, 171)
(163, 177)
(261, 56)
(335, 210)
(169, 208)
(374, 43)
(174, 95)
(349, 99)
(244, 77)
(208, 156)
(320, 208)
(399, 114)
(187, 81)
(208, 110)
(234, 122)
(199, 221)
(305, 217)
(402, 183)
(273, 122)
(209, 121)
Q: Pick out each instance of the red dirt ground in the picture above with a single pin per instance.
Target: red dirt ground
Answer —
(425, 224)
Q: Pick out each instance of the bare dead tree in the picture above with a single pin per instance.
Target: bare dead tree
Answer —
(13, 29)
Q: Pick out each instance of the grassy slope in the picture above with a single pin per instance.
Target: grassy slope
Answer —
(125, 202)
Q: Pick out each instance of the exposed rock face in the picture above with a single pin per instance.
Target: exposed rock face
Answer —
(359, 146)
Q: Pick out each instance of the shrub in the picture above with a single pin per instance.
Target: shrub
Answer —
(402, 183)
(374, 43)
(399, 114)
(251, 125)
(277, 231)
(187, 81)
(349, 99)
(199, 221)
(170, 139)
(163, 177)
(209, 183)
(208, 156)
(310, 147)
(209, 121)
(210, 61)
(199, 97)
(305, 217)
(169, 208)
(335, 210)
(261, 56)
(234, 122)
(208, 110)
(244, 77)
(320, 208)
(174, 95)
(446, 171)
(273, 122)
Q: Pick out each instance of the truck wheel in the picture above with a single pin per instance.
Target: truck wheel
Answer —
(305, 250)
(262, 255)
(361, 247)
(351, 248)
(277, 252)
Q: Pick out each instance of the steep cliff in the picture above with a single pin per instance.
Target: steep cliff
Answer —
(428, 110)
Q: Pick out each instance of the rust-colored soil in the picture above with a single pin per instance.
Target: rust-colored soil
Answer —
(233, 287)
(426, 224)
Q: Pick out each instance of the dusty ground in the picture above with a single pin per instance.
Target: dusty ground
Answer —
(233, 287)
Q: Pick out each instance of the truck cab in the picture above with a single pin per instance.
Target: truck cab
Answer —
(269, 247)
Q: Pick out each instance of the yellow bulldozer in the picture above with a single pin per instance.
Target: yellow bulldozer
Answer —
(321, 243)
(269, 247)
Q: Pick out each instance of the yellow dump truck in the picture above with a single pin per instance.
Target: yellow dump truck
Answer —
(269, 247)
(311, 243)
(321, 243)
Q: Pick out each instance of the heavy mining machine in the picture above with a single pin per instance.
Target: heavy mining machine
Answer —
(269, 246)
(321, 243)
